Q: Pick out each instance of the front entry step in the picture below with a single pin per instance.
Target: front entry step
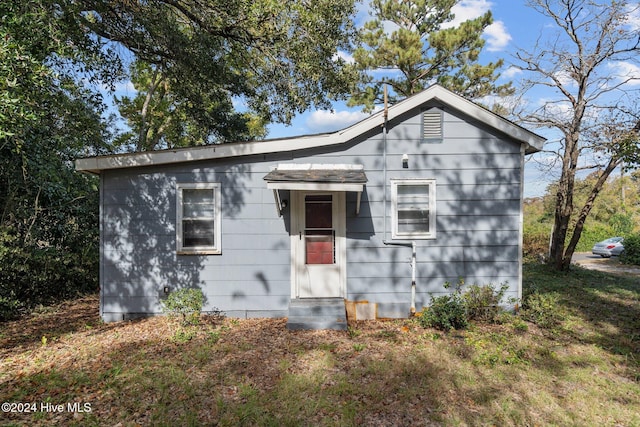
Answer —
(317, 313)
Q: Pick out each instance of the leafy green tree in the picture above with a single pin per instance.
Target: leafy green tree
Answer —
(48, 213)
(609, 216)
(421, 49)
(277, 58)
(159, 119)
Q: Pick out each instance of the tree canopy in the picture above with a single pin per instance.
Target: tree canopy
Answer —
(415, 44)
(48, 117)
(159, 119)
(276, 58)
(194, 63)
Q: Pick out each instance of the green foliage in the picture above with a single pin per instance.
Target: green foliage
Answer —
(276, 58)
(631, 253)
(454, 311)
(592, 234)
(621, 224)
(611, 215)
(48, 117)
(423, 51)
(187, 303)
(31, 275)
(353, 332)
(519, 325)
(543, 309)
(445, 312)
(183, 335)
(496, 349)
(159, 119)
(535, 241)
(359, 346)
(483, 302)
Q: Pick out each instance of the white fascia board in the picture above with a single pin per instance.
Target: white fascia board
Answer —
(97, 164)
(151, 158)
(536, 142)
(317, 166)
(314, 186)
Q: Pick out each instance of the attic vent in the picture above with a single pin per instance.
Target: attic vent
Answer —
(432, 125)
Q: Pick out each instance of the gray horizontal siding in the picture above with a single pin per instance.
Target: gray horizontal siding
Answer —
(477, 175)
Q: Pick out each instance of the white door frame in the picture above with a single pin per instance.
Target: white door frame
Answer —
(298, 267)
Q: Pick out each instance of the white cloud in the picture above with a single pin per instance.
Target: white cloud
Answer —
(565, 79)
(624, 71)
(510, 72)
(633, 17)
(497, 36)
(125, 88)
(558, 109)
(329, 121)
(345, 56)
(468, 9)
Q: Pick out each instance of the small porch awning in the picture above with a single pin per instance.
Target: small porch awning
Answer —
(316, 177)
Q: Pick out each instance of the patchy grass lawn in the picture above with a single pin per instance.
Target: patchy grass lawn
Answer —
(584, 371)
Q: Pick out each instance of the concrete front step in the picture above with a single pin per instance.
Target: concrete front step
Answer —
(317, 313)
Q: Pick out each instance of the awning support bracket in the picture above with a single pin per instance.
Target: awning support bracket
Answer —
(279, 207)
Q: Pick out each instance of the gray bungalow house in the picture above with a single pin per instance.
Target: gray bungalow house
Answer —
(375, 217)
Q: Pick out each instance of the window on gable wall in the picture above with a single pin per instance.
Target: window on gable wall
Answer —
(413, 212)
(198, 218)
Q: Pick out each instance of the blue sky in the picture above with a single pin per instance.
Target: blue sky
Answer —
(516, 26)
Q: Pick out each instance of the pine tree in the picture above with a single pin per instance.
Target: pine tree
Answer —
(422, 48)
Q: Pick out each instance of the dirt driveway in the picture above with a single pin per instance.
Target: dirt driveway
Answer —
(608, 265)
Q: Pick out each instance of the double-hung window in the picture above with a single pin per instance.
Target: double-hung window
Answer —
(413, 212)
(198, 218)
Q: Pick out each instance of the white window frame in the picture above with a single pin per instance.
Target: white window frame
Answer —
(395, 234)
(199, 250)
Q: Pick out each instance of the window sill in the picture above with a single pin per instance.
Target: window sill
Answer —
(414, 237)
(200, 252)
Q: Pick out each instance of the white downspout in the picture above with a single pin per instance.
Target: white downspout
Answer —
(413, 278)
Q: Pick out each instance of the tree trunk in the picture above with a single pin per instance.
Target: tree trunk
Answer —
(586, 209)
(564, 202)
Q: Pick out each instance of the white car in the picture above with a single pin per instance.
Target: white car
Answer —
(609, 247)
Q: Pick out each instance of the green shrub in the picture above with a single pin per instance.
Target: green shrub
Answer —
(182, 336)
(542, 309)
(185, 302)
(446, 312)
(631, 253)
(483, 302)
(621, 224)
(593, 233)
(535, 241)
(31, 275)
(454, 311)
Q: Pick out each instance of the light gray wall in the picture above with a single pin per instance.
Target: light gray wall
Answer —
(478, 187)
(478, 178)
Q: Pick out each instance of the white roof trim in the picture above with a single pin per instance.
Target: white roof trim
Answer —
(532, 141)
(315, 186)
(316, 166)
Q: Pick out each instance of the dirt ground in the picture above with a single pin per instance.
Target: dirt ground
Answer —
(609, 265)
